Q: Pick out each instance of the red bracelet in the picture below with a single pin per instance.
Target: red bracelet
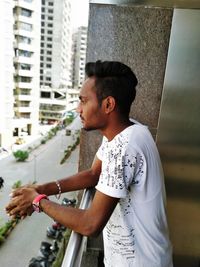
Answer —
(36, 202)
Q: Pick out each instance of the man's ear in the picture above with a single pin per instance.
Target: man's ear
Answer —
(109, 104)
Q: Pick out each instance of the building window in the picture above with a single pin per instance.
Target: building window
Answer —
(25, 26)
(25, 66)
(24, 40)
(25, 79)
(24, 53)
(26, 12)
(45, 94)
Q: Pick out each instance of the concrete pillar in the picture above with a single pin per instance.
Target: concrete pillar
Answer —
(138, 37)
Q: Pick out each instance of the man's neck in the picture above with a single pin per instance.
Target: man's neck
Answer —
(115, 127)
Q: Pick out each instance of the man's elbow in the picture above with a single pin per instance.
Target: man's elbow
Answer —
(92, 230)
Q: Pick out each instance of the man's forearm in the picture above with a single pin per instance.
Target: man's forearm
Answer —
(82, 180)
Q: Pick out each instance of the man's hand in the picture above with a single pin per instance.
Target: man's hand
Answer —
(21, 202)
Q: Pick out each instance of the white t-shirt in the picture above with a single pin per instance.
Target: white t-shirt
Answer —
(136, 234)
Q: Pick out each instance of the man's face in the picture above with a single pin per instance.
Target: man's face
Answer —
(91, 113)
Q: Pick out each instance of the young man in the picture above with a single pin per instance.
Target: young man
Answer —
(129, 201)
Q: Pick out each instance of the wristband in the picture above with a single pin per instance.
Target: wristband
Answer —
(36, 202)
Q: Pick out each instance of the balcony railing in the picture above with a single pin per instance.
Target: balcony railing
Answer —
(76, 244)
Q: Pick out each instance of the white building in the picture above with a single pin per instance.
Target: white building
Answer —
(6, 73)
(79, 56)
(55, 58)
(27, 14)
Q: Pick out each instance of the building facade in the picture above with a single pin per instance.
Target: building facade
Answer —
(79, 56)
(6, 73)
(26, 66)
(55, 58)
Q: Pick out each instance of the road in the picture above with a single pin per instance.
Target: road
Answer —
(43, 165)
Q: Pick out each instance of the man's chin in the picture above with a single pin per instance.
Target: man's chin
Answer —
(89, 128)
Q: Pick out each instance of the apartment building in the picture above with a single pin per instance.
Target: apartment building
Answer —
(79, 56)
(55, 58)
(6, 73)
(26, 64)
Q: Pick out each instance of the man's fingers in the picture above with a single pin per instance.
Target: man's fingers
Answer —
(14, 202)
(14, 212)
(16, 192)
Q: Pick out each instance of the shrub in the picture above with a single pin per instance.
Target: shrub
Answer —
(21, 155)
(7, 228)
(43, 141)
(17, 184)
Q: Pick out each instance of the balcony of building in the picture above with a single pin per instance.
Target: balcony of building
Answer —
(27, 4)
(22, 32)
(24, 46)
(24, 85)
(24, 59)
(24, 73)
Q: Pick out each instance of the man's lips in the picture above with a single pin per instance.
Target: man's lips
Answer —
(82, 119)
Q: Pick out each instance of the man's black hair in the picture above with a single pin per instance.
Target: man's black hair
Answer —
(113, 78)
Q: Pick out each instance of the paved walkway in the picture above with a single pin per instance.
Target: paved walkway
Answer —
(24, 241)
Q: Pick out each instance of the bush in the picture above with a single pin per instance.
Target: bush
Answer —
(21, 155)
(6, 229)
(43, 141)
(17, 184)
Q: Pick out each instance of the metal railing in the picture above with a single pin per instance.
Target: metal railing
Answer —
(77, 242)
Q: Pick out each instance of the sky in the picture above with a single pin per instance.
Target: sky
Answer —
(79, 12)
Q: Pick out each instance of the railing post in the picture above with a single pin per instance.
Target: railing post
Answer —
(76, 244)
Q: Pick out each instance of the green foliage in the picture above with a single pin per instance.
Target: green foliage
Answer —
(69, 150)
(17, 184)
(43, 141)
(6, 229)
(50, 134)
(21, 155)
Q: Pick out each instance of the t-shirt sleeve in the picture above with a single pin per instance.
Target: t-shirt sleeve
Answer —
(118, 170)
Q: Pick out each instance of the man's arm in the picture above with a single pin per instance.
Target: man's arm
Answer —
(84, 179)
(21, 202)
(88, 222)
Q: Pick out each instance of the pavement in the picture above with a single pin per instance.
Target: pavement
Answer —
(43, 165)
